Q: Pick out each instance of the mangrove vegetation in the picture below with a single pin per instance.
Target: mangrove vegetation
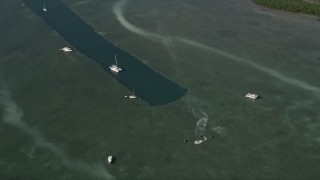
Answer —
(302, 6)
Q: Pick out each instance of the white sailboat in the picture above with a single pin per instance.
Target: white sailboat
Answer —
(132, 96)
(115, 67)
(44, 7)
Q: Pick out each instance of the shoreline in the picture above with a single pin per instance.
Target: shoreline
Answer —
(297, 6)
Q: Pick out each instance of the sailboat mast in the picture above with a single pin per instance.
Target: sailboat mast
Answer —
(115, 58)
(44, 7)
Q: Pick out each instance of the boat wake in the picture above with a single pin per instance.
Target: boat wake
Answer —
(13, 114)
(118, 10)
(201, 124)
(202, 120)
(201, 127)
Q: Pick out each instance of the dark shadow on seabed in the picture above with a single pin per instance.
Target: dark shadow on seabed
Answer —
(148, 84)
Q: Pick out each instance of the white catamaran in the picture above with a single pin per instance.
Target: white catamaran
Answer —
(66, 49)
(115, 67)
(252, 96)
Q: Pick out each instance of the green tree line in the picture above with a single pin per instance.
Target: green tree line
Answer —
(292, 5)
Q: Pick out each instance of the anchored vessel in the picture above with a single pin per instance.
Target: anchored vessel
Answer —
(200, 140)
(110, 159)
(252, 96)
(89, 42)
(66, 49)
(115, 67)
(132, 96)
(44, 7)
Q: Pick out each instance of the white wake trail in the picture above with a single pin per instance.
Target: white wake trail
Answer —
(201, 117)
(264, 69)
(12, 115)
(118, 9)
(201, 124)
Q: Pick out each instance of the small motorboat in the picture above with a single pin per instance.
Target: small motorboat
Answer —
(199, 141)
(110, 159)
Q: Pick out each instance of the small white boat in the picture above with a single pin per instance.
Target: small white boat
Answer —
(115, 67)
(132, 96)
(252, 96)
(44, 7)
(200, 140)
(66, 49)
(110, 159)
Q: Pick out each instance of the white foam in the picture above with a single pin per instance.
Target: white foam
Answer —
(201, 124)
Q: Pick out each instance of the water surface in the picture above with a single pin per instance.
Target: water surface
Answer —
(148, 84)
